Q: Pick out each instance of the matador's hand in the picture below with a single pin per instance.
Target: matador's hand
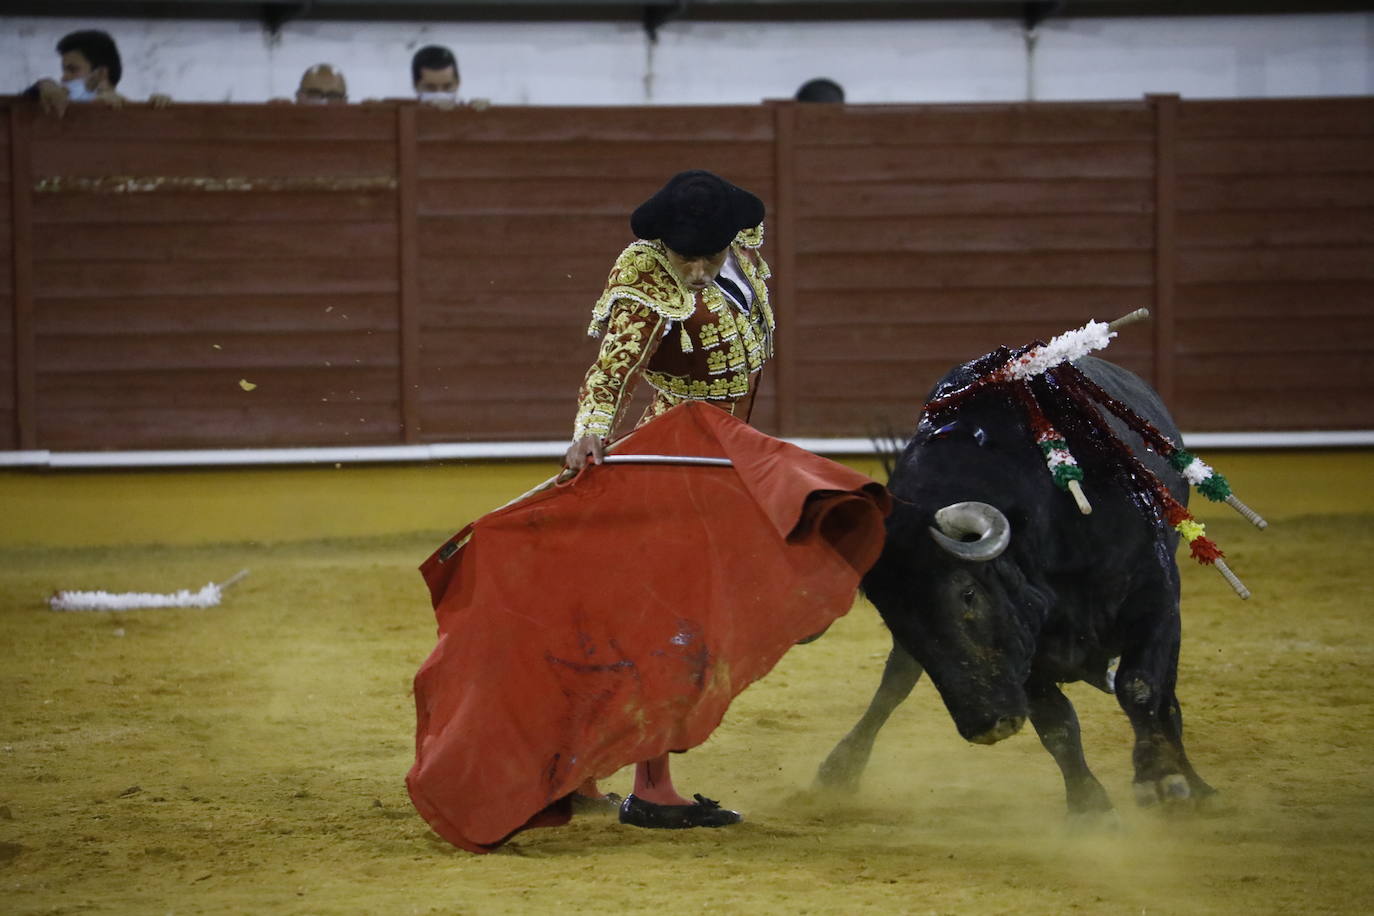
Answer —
(592, 447)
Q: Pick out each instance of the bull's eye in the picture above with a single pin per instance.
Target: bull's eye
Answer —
(967, 595)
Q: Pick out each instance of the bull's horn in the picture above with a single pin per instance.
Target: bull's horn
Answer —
(954, 521)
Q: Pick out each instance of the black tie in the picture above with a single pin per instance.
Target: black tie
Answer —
(733, 289)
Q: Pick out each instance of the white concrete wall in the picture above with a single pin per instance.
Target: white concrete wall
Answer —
(697, 63)
(1206, 57)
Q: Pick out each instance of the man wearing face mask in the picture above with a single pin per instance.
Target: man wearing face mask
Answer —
(91, 69)
(434, 71)
(322, 85)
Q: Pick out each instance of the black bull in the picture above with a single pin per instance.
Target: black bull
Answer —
(993, 582)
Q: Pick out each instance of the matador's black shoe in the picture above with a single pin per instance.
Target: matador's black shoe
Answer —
(705, 813)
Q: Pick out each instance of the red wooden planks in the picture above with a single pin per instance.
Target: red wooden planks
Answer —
(911, 238)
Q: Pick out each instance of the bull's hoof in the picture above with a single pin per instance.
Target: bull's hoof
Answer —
(1211, 803)
(1201, 791)
(832, 781)
(1169, 790)
(840, 772)
(1087, 798)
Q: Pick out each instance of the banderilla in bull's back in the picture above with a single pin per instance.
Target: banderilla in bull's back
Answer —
(1011, 371)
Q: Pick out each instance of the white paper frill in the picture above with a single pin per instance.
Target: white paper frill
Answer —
(1067, 347)
(209, 596)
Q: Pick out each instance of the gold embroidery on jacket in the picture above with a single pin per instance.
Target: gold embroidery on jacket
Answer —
(643, 274)
(643, 296)
(632, 334)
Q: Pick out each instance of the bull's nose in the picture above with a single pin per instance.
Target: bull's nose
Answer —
(1004, 727)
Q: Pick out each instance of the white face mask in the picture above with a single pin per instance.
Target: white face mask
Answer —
(78, 91)
(439, 97)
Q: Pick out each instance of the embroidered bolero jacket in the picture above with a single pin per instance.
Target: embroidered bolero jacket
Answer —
(687, 345)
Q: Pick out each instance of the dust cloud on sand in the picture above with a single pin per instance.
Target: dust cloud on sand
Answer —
(250, 758)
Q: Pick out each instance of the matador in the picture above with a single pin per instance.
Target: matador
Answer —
(686, 309)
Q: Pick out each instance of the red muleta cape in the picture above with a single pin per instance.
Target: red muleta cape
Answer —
(606, 621)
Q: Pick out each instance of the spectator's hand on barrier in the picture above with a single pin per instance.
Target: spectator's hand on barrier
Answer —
(588, 447)
(479, 104)
(53, 97)
(110, 98)
(158, 100)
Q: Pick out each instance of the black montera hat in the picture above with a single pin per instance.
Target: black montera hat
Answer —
(697, 213)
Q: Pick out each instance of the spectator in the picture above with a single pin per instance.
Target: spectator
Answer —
(91, 69)
(322, 85)
(820, 90)
(434, 72)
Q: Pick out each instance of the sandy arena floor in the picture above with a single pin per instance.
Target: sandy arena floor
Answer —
(250, 758)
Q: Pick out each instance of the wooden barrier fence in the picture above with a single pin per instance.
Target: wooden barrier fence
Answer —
(242, 276)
